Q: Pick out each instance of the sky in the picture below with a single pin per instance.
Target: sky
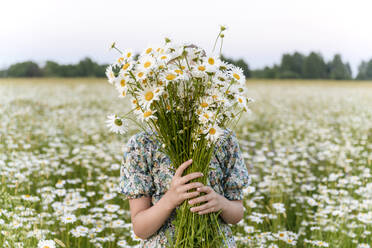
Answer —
(259, 31)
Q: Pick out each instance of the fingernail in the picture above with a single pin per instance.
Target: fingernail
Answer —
(198, 189)
(201, 174)
(190, 160)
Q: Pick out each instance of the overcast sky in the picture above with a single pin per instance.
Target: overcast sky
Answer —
(260, 31)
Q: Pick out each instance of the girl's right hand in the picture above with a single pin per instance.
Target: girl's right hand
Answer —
(177, 192)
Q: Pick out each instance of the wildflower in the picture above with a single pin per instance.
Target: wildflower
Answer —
(116, 124)
(46, 244)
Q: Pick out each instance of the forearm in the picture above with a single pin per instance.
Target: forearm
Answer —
(232, 211)
(148, 221)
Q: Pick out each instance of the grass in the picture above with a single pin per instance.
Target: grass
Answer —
(307, 145)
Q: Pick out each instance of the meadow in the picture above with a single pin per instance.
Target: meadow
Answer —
(307, 146)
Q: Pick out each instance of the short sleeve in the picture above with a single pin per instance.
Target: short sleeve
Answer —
(236, 176)
(135, 177)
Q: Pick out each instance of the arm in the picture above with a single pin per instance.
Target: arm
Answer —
(232, 211)
(142, 213)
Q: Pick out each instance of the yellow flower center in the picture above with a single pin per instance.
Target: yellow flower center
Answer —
(160, 83)
(46, 246)
(211, 61)
(27, 196)
(168, 107)
(122, 83)
(212, 131)
(134, 101)
(236, 76)
(147, 64)
(147, 113)
(148, 50)
(163, 57)
(206, 116)
(140, 74)
(204, 104)
(120, 59)
(123, 93)
(214, 97)
(179, 71)
(201, 68)
(170, 76)
(125, 66)
(129, 54)
(240, 100)
(149, 96)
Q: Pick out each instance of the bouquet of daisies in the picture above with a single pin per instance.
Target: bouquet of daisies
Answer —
(187, 97)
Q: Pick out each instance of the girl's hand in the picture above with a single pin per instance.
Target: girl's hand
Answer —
(215, 201)
(177, 192)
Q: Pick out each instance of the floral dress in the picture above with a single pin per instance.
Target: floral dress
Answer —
(145, 171)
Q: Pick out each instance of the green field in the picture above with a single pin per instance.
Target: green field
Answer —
(307, 146)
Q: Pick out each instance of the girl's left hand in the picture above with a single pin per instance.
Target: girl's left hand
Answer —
(215, 201)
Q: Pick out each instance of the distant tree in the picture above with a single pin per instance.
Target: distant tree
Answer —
(25, 69)
(267, 72)
(3, 73)
(314, 67)
(86, 68)
(339, 70)
(365, 70)
(99, 70)
(52, 69)
(240, 63)
(291, 66)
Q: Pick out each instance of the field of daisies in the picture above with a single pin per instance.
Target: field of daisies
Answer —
(307, 145)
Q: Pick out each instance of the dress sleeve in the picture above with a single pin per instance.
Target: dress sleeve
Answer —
(236, 175)
(135, 177)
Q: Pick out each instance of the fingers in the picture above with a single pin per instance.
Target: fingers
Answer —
(205, 189)
(209, 210)
(202, 207)
(190, 176)
(188, 186)
(190, 195)
(202, 198)
(182, 167)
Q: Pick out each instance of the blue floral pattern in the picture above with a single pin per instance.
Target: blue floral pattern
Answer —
(145, 171)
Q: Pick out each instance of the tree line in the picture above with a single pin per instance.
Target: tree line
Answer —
(84, 68)
(291, 66)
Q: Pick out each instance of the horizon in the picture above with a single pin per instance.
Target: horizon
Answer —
(259, 32)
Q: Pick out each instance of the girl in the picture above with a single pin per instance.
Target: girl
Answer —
(155, 190)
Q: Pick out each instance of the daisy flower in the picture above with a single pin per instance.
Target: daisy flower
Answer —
(121, 85)
(212, 63)
(206, 116)
(110, 74)
(238, 75)
(128, 54)
(148, 95)
(46, 244)
(169, 76)
(122, 243)
(140, 74)
(147, 115)
(68, 218)
(116, 124)
(242, 101)
(147, 62)
(213, 132)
